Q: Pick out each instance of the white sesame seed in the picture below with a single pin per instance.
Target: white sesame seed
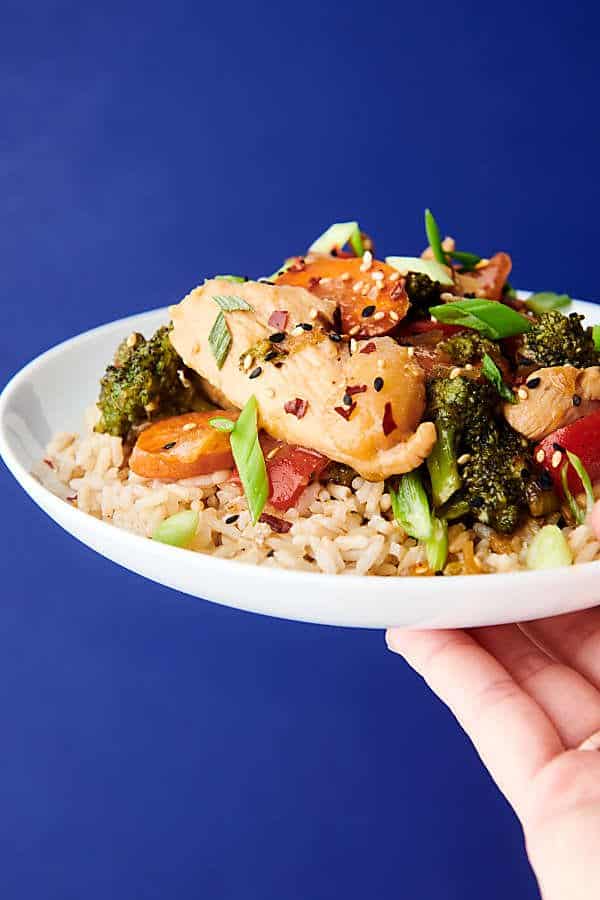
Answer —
(394, 276)
(248, 360)
(462, 460)
(353, 346)
(482, 264)
(373, 293)
(297, 330)
(380, 364)
(181, 375)
(357, 287)
(556, 458)
(540, 456)
(447, 297)
(324, 280)
(313, 313)
(188, 426)
(272, 452)
(394, 316)
(367, 261)
(469, 367)
(345, 276)
(455, 372)
(523, 393)
(410, 351)
(354, 330)
(379, 316)
(377, 275)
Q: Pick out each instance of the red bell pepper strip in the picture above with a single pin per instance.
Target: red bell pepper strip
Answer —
(581, 437)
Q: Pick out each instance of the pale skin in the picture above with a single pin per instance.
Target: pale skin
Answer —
(528, 695)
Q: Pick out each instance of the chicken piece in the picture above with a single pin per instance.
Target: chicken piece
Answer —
(554, 397)
(487, 279)
(362, 409)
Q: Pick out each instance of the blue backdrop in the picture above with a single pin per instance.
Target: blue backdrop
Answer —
(155, 746)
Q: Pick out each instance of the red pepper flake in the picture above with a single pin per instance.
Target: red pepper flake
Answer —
(278, 319)
(388, 423)
(353, 389)
(281, 526)
(296, 407)
(345, 411)
(49, 463)
(369, 348)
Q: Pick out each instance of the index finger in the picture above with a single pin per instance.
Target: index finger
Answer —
(512, 734)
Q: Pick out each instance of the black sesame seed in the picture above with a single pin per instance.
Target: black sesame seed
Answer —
(576, 400)
(255, 372)
(378, 383)
(170, 445)
(335, 337)
(231, 519)
(476, 501)
(367, 311)
(278, 337)
(524, 474)
(306, 326)
(270, 355)
(558, 447)
(347, 400)
(545, 480)
(533, 382)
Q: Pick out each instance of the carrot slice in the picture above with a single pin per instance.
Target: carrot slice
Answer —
(372, 300)
(182, 447)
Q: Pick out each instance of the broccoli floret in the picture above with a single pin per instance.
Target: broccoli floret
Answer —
(492, 480)
(556, 340)
(146, 378)
(422, 292)
(451, 403)
(468, 346)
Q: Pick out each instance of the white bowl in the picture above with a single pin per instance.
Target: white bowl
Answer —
(50, 394)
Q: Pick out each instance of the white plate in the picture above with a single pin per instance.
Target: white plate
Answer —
(50, 394)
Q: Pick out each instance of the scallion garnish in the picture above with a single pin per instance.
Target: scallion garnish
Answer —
(585, 479)
(596, 336)
(492, 319)
(249, 459)
(494, 376)
(219, 340)
(178, 530)
(548, 549)
(410, 506)
(546, 301)
(433, 236)
(576, 510)
(235, 279)
(430, 267)
(219, 423)
(436, 546)
(337, 236)
(468, 261)
(231, 303)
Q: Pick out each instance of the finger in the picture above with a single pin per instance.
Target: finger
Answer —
(513, 735)
(569, 700)
(573, 638)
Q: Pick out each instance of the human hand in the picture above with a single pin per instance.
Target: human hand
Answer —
(528, 696)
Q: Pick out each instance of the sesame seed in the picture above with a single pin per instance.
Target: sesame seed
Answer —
(455, 372)
(394, 316)
(533, 383)
(296, 331)
(305, 326)
(248, 361)
(380, 364)
(231, 519)
(271, 354)
(373, 294)
(447, 297)
(540, 456)
(482, 264)
(462, 460)
(395, 276)
(170, 445)
(557, 446)
(257, 371)
(273, 452)
(379, 316)
(523, 393)
(356, 288)
(132, 340)
(377, 275)
(367, 312)
(354, 330)
(335, 337)
(576, 400)
(313, 313)
(278, 337)
(556, 458)
(367, 261)
(345, 276)
(410, 351)
(188, 426)
(324, 280)
(347, 400)
(353, 346)
(378, 383)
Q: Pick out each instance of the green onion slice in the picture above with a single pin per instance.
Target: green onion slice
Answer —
(549, 549)
(596, 336)
(221, 424)
(177, 530)
(337, 236)
(430, 267)
(585, 480)
(219, 340)
(410, 506)
(576, 510)
(249, 459)
(436, 546)
(231, 303)
(547, 301)
(235, 279)
(492, 319)
(494, 376)
(433, 236)
(468, 261)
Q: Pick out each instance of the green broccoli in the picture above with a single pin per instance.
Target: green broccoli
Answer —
(495, 461)
(146, 378)
(422, 292)
(469, 346)
(556, 340)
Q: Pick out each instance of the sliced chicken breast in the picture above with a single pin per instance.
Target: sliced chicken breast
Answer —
(554, 397)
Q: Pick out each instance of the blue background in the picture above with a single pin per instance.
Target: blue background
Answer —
(154, 746)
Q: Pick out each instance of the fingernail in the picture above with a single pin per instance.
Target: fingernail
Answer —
(392, 640)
